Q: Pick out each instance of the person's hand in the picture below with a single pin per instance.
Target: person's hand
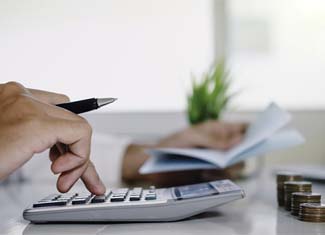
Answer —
(210, 134)
(30, 123)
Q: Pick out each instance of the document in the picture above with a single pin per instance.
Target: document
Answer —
(266, 134)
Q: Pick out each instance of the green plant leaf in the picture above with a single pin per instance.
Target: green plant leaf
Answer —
(210, 96)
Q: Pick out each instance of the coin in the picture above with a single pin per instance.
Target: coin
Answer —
(294, 186)
(282, 177)
(311, 220)
(312, 212)
(287, 176)
(303, 197)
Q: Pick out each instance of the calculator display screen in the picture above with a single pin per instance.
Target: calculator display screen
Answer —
(194, 191)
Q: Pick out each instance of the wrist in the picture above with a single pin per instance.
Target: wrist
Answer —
(133, 159)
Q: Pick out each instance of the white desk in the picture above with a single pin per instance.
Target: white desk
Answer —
(256, 214)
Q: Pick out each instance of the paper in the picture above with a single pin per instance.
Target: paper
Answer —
(266, 134)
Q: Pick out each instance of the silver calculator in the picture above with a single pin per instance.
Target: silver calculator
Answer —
(134, 205)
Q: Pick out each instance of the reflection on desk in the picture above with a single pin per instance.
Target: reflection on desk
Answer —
(209, 222)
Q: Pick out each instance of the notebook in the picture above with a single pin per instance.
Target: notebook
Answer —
(267, 133)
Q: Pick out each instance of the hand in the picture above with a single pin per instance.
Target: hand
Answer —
(30, 123)
(210, 134)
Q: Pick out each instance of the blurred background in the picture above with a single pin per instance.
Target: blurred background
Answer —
(146, 52)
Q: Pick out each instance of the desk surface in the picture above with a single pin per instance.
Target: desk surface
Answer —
(256, 214)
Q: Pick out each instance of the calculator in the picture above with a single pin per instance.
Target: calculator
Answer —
(134, 205)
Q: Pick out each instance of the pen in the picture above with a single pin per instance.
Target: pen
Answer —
(83, 106)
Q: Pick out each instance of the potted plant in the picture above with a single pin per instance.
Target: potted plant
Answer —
(209, 97)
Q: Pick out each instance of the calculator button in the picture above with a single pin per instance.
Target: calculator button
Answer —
(150, 196)
(121, 191)
(119, 195)
(136, 190)
(50, 203)
(101, 198)
(135, 194)
(83, 196)
(78, 201)
(98, 199)
(117, 199)
(135, 198)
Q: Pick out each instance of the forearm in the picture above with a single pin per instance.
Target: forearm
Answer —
(133, 159)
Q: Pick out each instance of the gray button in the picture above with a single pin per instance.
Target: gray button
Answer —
(98, 199)
(79, 201)
(135, 198)
(151, 197)
(50, 203)
(117, 199)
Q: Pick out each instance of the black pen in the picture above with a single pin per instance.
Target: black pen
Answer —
(83, 106)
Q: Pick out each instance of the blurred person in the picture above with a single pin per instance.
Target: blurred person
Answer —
(210, 134)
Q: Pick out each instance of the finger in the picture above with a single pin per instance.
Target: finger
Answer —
(235, 140)
(223, 129)
(207, 141)
(68, 132)
(67, 179)
(57, 150)
(12, 89)
(58, 112)
(54, 153)
(236, 128)
(89, 176)
(62, 148)
(49, 97)
(44, 96)
(92, 181)
(67, 162)
(215, 129)
(77, 135)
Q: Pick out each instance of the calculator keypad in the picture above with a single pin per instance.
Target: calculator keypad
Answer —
(118, 195)
(55, 200)
(135, 194)
(101, 198)
(81, 199)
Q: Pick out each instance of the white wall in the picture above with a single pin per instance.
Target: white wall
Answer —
(140, 51)
(143, 51)
(277, 52)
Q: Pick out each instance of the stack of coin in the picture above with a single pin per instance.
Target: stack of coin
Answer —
(299, 198)
(312, 212)
(282, 177)
(292, 187)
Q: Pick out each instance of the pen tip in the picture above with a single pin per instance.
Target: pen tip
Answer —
(104, 101)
